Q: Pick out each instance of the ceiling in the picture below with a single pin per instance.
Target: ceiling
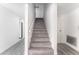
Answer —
(17, 8)
(66, 7)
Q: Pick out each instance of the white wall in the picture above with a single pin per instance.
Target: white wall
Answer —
(72, 25)
(26, 29)
(31, 18)
(9, 28)
(40, 10)
(51, 24)
(17, 8)
(21, 29)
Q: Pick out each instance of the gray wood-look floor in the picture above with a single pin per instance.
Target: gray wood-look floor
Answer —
(17, 49)
(40, 44)
(64, 49)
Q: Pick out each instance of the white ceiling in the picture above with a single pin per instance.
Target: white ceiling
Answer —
(66, 7)
(17, 8)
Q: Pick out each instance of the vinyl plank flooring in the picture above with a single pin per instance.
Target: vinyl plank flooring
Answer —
(17, 49)
(64, 49)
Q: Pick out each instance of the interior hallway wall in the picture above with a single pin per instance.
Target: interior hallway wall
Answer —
(72, 26)
(26, 30)
(31, 19)
(51, 24)
(9, 28)
(18, 8)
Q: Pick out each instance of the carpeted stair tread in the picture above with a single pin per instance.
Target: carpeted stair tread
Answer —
(40, 39)
(39, 31)
(41, 51)
(40, 44)
(40, 35)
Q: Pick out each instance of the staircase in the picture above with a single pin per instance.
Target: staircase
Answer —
(40, 44)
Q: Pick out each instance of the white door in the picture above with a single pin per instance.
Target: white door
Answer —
(61, 36)
(39, 10)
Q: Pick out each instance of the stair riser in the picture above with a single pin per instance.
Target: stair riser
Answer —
(40, 31)
(39, 27)
(40, 35)
(41, 52)
(40, 45)
(40, 39)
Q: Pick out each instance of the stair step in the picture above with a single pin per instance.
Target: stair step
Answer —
(40, 44)
(39, 27)
(40, 39)
(39, 23)
(40, 31)
(40, 35)
(41, 51)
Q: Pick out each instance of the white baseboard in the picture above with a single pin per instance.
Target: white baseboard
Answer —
(75, 48)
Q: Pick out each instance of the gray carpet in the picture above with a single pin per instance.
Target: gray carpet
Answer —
(40, 44)
(17, 49)
(64, 49)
